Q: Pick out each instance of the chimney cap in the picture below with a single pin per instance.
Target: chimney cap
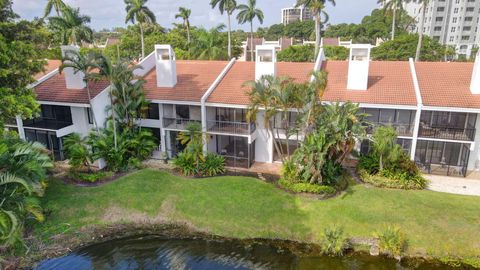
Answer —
(164, 52)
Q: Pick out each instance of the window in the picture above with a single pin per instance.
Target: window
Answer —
(465, 38)
(182, 111)
(451, 39)
(454, 20)
(467, 28)
(437, 38)
(455, 10)
(440, 9)
(153, 111)
(439, 19)
(468, 19)
(470, 9)
(89, 116)
(437, 28)
(452, 30)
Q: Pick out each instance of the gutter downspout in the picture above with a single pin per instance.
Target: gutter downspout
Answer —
(418, 95)
(205, 97)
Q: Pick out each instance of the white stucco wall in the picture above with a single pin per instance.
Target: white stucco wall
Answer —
(474, 160)
(80, 120)
(99, 107)
(263, 142)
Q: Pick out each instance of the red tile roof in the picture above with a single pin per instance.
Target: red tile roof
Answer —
(193, 80)
(388, 83)
(446, 84)
(231, 89)
(49, 67)
(54, 90)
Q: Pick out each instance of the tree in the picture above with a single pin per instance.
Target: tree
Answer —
(71, 27)
(336, 52)
(6, 11)
(404, 47)
(208, 45)
(57, 5)
(184, 14)
(317, 7)
(84, 63)
(229, 7)
(297, 53)
(23, 171)
(138, 12)
(384, 145)
(247, 13)
(394, 6)
(300, 30)
(420, 29)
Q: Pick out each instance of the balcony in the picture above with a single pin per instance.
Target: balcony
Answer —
(177, 123)
(229, 127)
(458, 134)
(402, 129)
(47, 124)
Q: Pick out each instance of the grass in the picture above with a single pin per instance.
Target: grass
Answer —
(433, 223)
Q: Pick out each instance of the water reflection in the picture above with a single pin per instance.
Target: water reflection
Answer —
(152, 252)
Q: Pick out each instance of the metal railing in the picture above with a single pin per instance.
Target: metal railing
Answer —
(402, 129)
(177, 123)
(460, 134)
(231, 127)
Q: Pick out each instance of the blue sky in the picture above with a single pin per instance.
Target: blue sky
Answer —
(110, 13)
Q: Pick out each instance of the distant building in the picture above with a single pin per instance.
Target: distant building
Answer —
(451, 22)
(293, 14)
(334, 42)
(280, 44)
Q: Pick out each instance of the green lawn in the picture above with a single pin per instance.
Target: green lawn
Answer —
(434, 223)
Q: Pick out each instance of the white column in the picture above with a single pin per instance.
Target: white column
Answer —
(163, 142)
(21, 131)
(416, 127)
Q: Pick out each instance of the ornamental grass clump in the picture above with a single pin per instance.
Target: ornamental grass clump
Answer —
(333, 241)
(391, 241)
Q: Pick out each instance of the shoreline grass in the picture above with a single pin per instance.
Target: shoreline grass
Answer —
(435, 224)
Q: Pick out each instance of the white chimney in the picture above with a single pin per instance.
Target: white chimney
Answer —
(265, 61)
(166, 66)
(73, 80)
(358, 66)
(475, 83)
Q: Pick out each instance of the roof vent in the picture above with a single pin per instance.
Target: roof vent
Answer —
(475, 83)
(358, 66)
(73, 80)
(166, 66)
(265, 61)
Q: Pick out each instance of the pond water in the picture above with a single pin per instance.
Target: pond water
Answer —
(155, 252)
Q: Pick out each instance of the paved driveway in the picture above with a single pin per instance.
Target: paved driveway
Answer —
(455, 185)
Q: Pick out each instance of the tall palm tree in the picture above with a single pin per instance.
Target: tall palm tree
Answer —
(71, 26)
(420, 28)
(138, 12)
(85, 63)
(57, 5)
(317, 7)
(184, 14)
(394, 6)
(229, 7)
(248, 13)
(209, 45)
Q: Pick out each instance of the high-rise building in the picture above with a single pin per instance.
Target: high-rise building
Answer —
(451, 22)
(293, 14)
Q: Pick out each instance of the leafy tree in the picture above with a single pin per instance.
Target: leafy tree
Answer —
(274, 32)
(23, 168)
(336, 52)
(404, 47)
(84, 63)
(138, 12)
(6, 11)
(384, 145)
(317, 7)
(247, 13)
(300, 30)
(393, 6)
(208, 45)
(184, 14)
(297, 53)
(71, 27)
(77, 149)
(229, 7)
(57, 5)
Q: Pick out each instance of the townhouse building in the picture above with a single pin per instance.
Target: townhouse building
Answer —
(434, 106)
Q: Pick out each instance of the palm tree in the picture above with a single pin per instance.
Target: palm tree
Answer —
(71, 26)
(184, 13)
(78, 151)
(209, 45)
(384, 145)
(227, 6)
(24, 166)
(317, 7)
(137, 11)
(392, 5)
(420, 29)
(85, 63)
(58, 5)
(248, 13)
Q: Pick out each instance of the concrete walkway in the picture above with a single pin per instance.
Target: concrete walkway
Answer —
(455, 185)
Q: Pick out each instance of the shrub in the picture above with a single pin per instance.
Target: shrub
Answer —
(386, 179)
(333, 242)
(369, 163)
(307, 187)
(391, 241)
(213, 165)
(90, 177)
(289, 171)
(185, 162)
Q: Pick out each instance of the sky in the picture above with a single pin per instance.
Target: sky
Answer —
(111, 13)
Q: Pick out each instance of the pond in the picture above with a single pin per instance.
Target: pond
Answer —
(156, 252)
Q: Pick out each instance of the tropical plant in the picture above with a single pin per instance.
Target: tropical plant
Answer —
(317, 7)
(185, 163)
(78, 152)
(384, 145)
(297, 53)
(391, 240)
(192, 138)
(71, 26)
(333, 242)
(184, 14)
(227, 6)
(208, 45)
(23, 168)
(393, 6)
(84, 63)
(214, 164)
(138, 12)
(247, 13)
(57, 5)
